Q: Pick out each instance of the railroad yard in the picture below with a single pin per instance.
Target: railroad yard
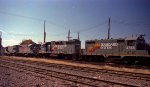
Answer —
(74, 43)
(35, 72)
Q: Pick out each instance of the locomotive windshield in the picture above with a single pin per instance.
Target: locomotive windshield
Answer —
(141, 41)
(131, 42)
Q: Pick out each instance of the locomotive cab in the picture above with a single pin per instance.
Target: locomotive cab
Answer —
(137, 43)
(141, 45)
(136, 46)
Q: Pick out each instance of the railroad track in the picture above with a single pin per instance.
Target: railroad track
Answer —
(65, 76)
(130, 75)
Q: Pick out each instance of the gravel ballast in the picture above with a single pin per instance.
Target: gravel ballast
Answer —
(12, 78)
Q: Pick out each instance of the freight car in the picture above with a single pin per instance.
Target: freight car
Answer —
(132, 48)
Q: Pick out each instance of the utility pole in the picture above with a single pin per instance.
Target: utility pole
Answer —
(69, 35)
(1, 44)
(108, 29)
(44, 31)
(78, 36)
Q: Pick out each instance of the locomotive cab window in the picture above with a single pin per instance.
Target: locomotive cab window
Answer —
(131, 42)
(141, 41)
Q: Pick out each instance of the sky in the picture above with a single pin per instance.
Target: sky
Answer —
(24, 19)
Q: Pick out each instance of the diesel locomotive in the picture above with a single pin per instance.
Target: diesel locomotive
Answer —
(62, 49)
(130, 48)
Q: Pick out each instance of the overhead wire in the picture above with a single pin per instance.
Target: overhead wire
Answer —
(123, 22)
(31, 18)
(84, 30)
(81, 30)
(50, 22)
(93, 27)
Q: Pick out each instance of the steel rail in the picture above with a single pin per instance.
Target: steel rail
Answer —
(92, 70)
(65, 76)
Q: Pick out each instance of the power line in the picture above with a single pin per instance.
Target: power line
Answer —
(50, 22)
(22, 16)
(91, 28)
(31, 18)
(81, 30)
(130, 24)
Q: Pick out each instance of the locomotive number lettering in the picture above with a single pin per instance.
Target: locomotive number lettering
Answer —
(130, 47)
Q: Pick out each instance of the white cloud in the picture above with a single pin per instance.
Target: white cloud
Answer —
(3, 32)
(10, 42)
(22, 33)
